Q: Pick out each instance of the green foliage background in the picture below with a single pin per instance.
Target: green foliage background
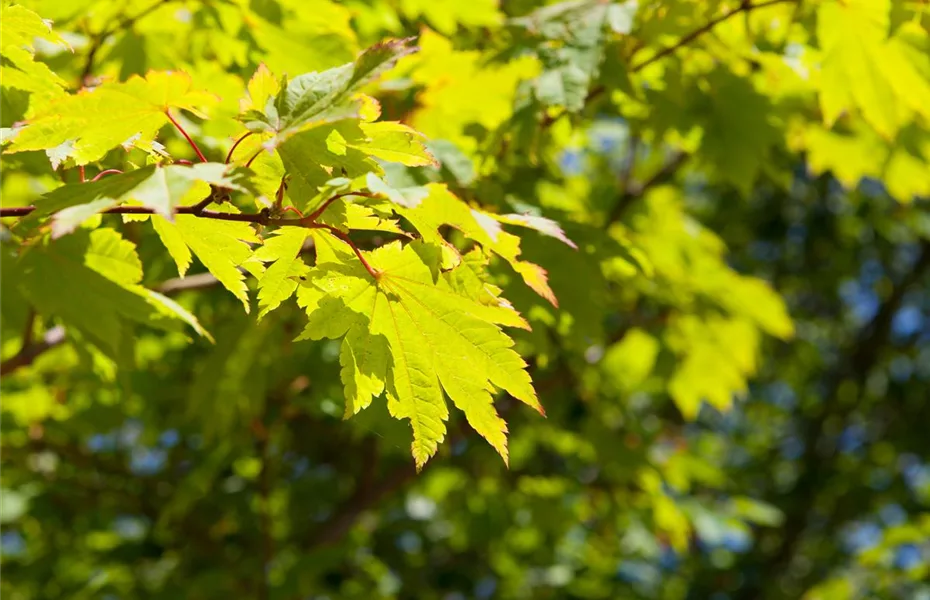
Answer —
(713, 217)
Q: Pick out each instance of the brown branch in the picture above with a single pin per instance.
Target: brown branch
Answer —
(358, 253)
(99, 39)
(29, 352)
(312, 217)
(631, 191)
(687, 39)
(262, 218)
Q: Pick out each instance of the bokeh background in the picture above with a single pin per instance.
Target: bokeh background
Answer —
(736, 379)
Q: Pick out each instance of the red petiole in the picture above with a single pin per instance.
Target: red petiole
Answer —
(189, 139)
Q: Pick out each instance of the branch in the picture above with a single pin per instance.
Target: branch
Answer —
(687, 39)
(100, 38)
(262, 218)
(29, 352)
(631, 191)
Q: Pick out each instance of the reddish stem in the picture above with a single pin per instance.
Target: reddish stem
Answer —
(236, 145)
(312, 217)
(187, 137)
(103, 174)
(345, 238)
(183, 161)
(83, 175)
(294, 210)
(254, 156)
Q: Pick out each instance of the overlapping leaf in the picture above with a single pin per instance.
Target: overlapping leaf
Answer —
(91, 282)
(317, 98)
(93, 122)
(413, 338)
(21, 71)
(429, 208)
(222, 247)
(156, 187)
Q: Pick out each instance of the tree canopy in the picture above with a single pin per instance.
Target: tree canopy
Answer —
(408, 299)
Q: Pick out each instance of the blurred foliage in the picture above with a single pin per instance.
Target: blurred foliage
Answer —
(706, 436)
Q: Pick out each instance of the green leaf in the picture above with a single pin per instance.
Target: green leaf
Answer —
(281, 278)
(395, 142)
(315, 99)
(114, 114)
(21, 71)
(91, 282)
(852, 35)
(440, 207)
(430, 338)
(222, 247)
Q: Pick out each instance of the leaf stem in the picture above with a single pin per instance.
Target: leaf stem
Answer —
(235, 145)
(312, 217)
(254, 156)
(189, 139)
(82, 173)
(103, 174)
(345, 238)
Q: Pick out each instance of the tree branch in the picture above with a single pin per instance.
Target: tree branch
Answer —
(687, 39)
(631, 191)
(29, 352)
(99, 39)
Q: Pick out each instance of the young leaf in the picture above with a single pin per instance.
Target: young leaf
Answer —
(314, 99)
(440, 207)
(415, 337)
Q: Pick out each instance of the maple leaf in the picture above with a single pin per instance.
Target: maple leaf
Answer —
(92, 282)
(316, 98)
(432, 206)
(95, 121)
(222, 247)
(21, 71)
(414, 337)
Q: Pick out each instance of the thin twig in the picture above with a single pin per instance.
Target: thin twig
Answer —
(254, 156)
(189, 139)
(687, 39)
(279, 194)
(100, 38)
(631, 192)
(53, 337)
